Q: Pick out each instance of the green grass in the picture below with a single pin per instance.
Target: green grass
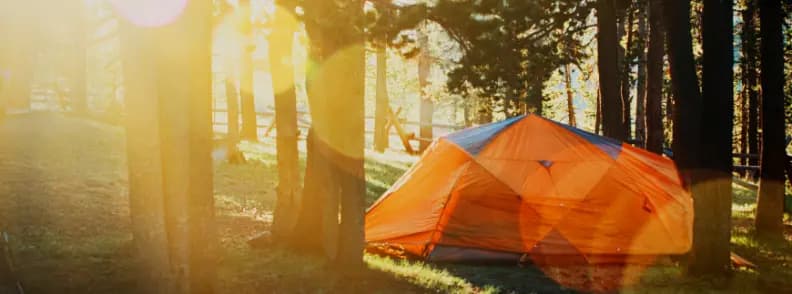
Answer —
(64, 202)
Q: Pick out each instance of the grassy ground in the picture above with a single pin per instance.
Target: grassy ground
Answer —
(63, 200)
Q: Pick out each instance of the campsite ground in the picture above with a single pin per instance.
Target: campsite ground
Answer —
(62, 199)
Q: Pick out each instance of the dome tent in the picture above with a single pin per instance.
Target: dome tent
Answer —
(531, 187)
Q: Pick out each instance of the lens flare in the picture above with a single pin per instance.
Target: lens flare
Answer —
(329, 96)
(150, 13)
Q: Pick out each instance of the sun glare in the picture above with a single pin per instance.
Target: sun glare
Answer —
(150, 13)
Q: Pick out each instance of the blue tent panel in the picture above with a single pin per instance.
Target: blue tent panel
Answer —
(473, 140)
(610, 146)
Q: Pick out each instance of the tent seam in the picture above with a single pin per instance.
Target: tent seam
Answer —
(436, 230)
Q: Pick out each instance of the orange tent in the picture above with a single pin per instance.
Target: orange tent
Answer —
(531, 187)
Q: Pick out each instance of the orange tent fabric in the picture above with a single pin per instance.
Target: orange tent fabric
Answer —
(528, 186)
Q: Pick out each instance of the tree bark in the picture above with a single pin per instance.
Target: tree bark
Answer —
(598, 114)
(381, 137)
(626, 71)
(465, 112)
(640, 105)
(743, 123)
(654, 83)
(607, 64)
(232, 105)
(282, 69)
(184, 82)
(427, 105)
(751, 77)
(144, 161)
(246, 85)
(685, 87)
(570, 101)
(337, 86)
(712, 222)
(769, 208)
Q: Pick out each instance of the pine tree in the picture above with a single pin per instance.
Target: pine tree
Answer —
(282, 69)
(607, 63)
(640, 48)
(712, 224)
(769, 208)
(144, 162)
(654, 79)
(336, 86)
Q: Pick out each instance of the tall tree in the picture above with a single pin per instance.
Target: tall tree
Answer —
(144, 162)
(232, 106)
(184, 85)
(381, 139)
(281, 41)
(570, 105)
(654, 78)
(625, 71)
(712, 223)
(170, 149)
(523, 35)
(608, 67)
(687, 116)
(246, 85)
(336, 85)
(750, 77)
(769, 208)
(640, 104)
(685, 87)
(598, 114)
(427, 104)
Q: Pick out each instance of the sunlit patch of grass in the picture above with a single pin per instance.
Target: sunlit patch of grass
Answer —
(742, 196)
(425, 275)
(744, 241)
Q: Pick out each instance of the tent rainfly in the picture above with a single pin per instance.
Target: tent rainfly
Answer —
(531, 188)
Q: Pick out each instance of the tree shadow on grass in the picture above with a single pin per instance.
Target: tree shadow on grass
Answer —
(507, 278)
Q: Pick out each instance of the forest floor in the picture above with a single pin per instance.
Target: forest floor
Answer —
(63, 202)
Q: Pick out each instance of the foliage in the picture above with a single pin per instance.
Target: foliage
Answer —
(510, 48)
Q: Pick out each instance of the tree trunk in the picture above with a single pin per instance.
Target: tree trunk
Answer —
(570, 105)
(232, 105)
(465, 112)
(246, 85)
(769, 208)
(685, 88)
(338, 87)
(625, 71)
(282, 69)
(669, 113)
(144, 162)
(607, 64)
(484, 115)
(640, 105)
(654, 83)
(750, 75)
(712, 222)
(534, 104)
(381, 137)
(184, 80)
(598, 114)
(427, 105)
(309, 207)
(743, 123)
